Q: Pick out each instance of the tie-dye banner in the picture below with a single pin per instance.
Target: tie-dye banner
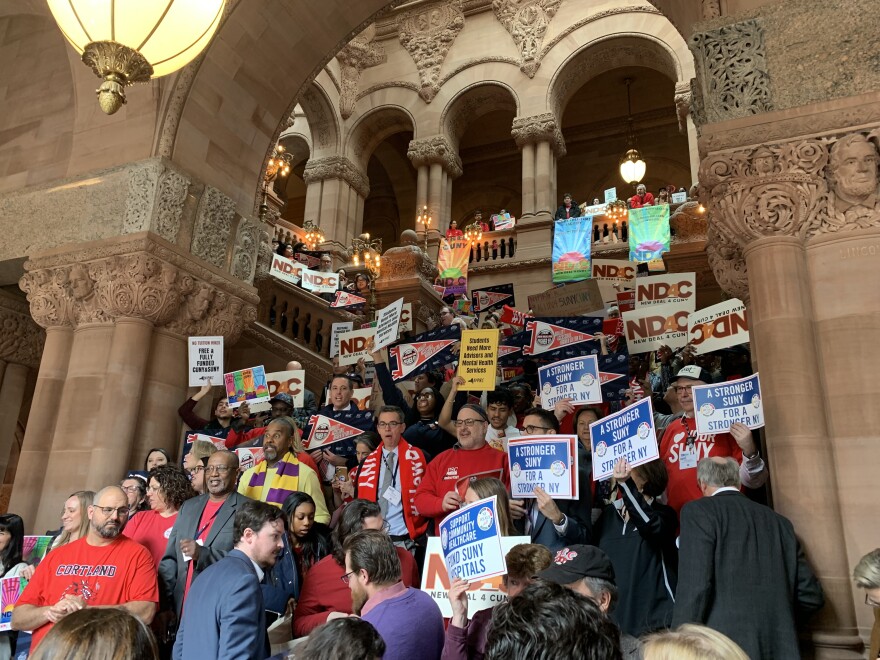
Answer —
(452, 263)
(572, 239)
(648, 232)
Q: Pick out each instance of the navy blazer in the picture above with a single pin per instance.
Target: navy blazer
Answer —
(224, 616)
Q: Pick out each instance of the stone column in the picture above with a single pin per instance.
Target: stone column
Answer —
(528, 181)
(437, 157)
(11, 396)
(421, 188)
(335, 198)
(766, 202)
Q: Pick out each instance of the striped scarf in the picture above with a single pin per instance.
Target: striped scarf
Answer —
(285, 482)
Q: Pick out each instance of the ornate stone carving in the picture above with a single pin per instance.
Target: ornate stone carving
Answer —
(540, 128)
(49, 303)
(436, 149)
(682, 104)
(688, 223)
(732, 70)
(605, 13)
(213, 225)
(526, 21)
(405, 262)
(427, 34)
(247, 243)
(142, 183)
(711, 9)
(337, 167)
(156, 195)
(359, 54)
(854, 198)
(727, 263)
(137, 286)
(21, 340)
(173, 188)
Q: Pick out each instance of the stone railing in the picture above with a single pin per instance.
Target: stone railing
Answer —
(287, 232)
(494, 246)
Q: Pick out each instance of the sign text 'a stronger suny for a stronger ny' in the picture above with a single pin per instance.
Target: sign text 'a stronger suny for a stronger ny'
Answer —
(718, 406)
(628, 433)
(548, 462)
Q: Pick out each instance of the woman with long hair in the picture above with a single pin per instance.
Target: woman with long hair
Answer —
(108, 633)
(74, 517)
(480, 489)
(156, 457)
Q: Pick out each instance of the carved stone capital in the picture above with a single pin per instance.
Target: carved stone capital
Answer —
(407, 261)
(728, 264)
(526, 21)
(540, 128)
(21, 340)
(427, 34)
(337, 167)
(358, 54)
(683, 99)
(435, 149)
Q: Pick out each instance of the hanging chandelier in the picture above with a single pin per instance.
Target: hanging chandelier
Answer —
(132, 41)
(616, 210)
(314, 236)
(367, 252)
(632, 167)
(473, 233)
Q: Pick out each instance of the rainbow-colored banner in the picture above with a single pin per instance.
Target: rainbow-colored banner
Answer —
(10, 590)
(452, 264)
(571, 249)
(648, 232)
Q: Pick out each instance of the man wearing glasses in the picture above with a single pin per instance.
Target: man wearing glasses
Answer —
(682, 447)
(104, 568)
(202, 534)
(438, 494)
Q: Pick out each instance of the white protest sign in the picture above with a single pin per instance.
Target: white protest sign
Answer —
(387, 320)
(205, 360)
(319, 282)
(471, 541)
(548, 462)
(619, 271)
(718, 406)
(665, 289)
(335, 331)
(574, 378)
(285, 269)
(219, 443)
(649, 328)
(610, 195)
(679, 197)
(719, 326)
(353, 345)
(628, 433)
(482, 594)
(284, 382)
(406, 319)
(248, 457)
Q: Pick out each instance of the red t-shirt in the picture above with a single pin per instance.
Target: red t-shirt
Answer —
(118, 573)
(683, 486)
(204, 528)
(151, 530)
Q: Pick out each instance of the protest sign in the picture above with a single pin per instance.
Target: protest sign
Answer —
(361, 397)
(345, 299)
(626, 301)
(679, 197)
(549, 335)
(246, 385)
(387, 320)
(482, 594)
(576, 379)
(594, 209)
(353, 345)
(317, 281)
(720, 405)
(649, 328)
(286, 270)
(471, 541)
(545, 461)
(510, 316)
(35, 548)
(616, 271)
(719, 326)
(205, 360)
(452, 265)
(628, 433)
(219, 443)
(668, 288)
(502, 221)
(478, 359)
(423, 352)
(284, 382)
(611, 195)
(336, 331)
(572, 239)
(307, 260)
(10, 590)
(326, 431)
(569, 300)
(648, 232)
(462, 306)
(248, 457)
(492, 297)
(406, 318)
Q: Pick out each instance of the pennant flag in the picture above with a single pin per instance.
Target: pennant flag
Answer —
(512, 317)
(648, 232)
(614, 376)
(452, 264)
(344, 299)
(572, 239)
(552, 334)
(424, 352)
(326, 430)
(510, 350)
(492, 297)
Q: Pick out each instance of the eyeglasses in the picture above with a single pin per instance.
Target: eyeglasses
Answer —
(387, 425)
(347, 577)
(219, 469)
(130, 489)
(194, 471)
(531, 430)
(680, 388)
(468, 422)
(108, 511)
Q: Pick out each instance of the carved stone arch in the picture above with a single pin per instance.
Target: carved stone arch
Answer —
(324, 121)
(472, 102)
(298, 145)
(372, 128)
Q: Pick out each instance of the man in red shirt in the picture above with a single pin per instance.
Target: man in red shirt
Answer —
(102, 569)
(641, 198)
(438, 495)
(682, 448)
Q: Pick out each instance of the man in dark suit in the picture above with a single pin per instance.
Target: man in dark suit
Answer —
(552, 523)
(203, 532)
(224, 616)
(743, 571)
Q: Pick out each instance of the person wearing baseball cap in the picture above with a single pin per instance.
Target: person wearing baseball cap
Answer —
(682, 447)
(586, 570)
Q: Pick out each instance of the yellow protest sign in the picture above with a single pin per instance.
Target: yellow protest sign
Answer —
(478, 359)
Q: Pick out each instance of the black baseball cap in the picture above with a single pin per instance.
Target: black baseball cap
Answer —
(282, 397)
(577, 562)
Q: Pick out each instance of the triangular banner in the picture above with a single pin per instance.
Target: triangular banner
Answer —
(423, 352)
(546, 337)
(326, 430)
(345, 299)
(492, 297)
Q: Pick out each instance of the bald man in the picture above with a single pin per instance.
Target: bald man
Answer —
(310, 403)
(102, 569)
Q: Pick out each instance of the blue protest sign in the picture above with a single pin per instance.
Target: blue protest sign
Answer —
(628, 433)
(720, 405)
(545, 461)
(471, 541)
(576, 378)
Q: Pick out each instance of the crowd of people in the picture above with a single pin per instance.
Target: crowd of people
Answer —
(319, 553)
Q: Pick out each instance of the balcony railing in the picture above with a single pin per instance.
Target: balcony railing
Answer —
(494, 246)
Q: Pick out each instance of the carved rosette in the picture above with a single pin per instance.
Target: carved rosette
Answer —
(540, 128)
(526, 21)
(427, 34)
(436, 149)
(359, 54)
(21, 340)
(337, 167)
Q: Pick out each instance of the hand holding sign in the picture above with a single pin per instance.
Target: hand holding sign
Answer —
(743, 436)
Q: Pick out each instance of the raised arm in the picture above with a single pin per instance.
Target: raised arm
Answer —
(445, 420)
